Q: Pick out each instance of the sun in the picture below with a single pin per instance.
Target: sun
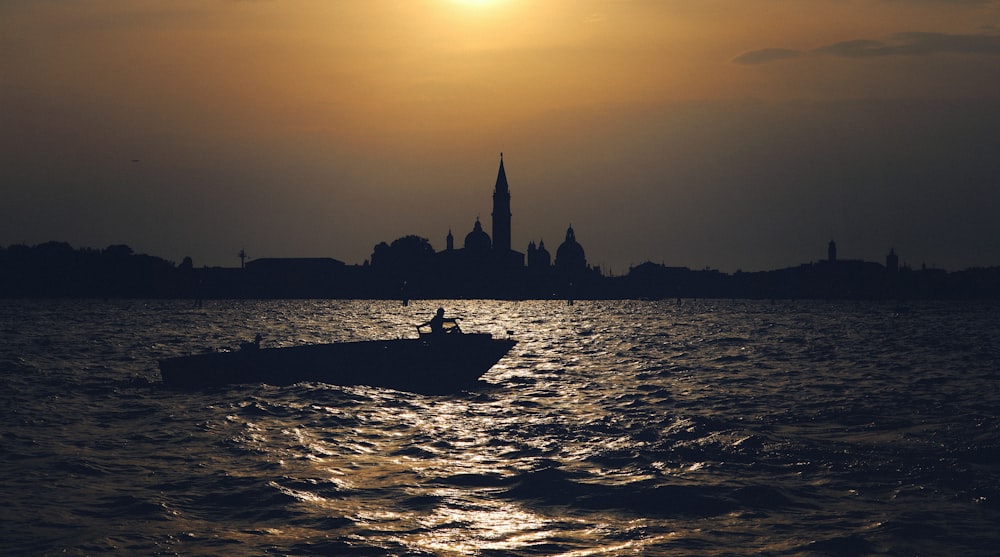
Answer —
(475, 3)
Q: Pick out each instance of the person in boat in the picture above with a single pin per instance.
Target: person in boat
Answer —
(437, 323)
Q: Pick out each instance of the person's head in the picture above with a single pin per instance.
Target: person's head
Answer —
(440, 311)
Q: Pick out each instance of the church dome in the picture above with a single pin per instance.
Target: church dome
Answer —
(570, 254)
(478, 240)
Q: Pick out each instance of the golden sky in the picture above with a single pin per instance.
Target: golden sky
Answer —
(718, 133)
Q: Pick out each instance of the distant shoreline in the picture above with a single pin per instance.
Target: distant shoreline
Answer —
(56, 270)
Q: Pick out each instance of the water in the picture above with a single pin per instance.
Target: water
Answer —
(612, 428)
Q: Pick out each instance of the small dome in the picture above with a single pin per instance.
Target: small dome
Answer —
(570, 254)
(478, 240)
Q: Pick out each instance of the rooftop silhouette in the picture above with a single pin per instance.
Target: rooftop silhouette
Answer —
(483, 267)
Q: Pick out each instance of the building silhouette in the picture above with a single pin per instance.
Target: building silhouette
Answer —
(477, 243)
(479, 248)
(570, 257)
(501, 212)
(482, 267)
(892, 261)
(538, 257)
(485, 265)
(410, 268)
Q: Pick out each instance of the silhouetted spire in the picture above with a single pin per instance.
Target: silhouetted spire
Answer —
(501, 213)
(501, 185)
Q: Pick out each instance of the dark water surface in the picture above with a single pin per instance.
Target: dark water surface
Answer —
(612, 428)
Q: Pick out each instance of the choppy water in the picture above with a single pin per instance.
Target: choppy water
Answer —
(612, 428)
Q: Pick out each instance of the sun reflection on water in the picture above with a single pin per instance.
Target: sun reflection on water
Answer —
(465, 531)
(594, 437)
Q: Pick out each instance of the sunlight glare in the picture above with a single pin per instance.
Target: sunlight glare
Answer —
(475, 3)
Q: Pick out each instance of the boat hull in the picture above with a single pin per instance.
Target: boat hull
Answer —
(425, 365)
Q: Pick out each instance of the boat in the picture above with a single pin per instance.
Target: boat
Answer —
(430, 364)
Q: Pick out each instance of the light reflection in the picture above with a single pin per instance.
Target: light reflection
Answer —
(633, 547)
(505, 527)
(384, 461)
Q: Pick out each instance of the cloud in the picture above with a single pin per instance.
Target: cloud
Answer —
(915, 44)
(766, 55)
(911, 43)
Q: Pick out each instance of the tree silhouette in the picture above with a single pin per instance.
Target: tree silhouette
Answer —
(406, 255)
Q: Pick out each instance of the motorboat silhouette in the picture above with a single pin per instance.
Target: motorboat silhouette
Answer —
(431, 363)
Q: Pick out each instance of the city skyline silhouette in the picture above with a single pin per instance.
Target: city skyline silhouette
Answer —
(685, 135)
(479, 267)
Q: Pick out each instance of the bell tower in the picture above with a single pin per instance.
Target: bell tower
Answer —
(501, 213)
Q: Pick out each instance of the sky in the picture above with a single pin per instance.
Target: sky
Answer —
(725, 134)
